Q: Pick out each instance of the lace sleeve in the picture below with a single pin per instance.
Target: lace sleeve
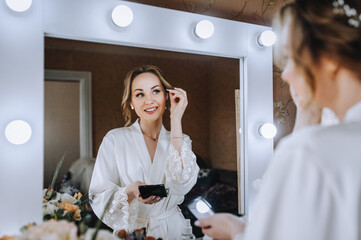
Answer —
(119, 214)
(174, 172)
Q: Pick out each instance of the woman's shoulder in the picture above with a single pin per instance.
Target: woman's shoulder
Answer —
(314, 136)
(119, 132)
(300, 137)
(323, 145)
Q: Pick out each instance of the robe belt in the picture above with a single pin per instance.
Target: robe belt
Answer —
(156, 218)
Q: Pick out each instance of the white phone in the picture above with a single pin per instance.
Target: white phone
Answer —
(200, 208)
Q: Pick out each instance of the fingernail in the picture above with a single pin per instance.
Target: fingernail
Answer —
(138, 195)
(196, 223)
(168, 90)
(158, 198)
(153, 197)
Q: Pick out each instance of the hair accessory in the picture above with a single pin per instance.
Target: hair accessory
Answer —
(339, 7)
(131, 106)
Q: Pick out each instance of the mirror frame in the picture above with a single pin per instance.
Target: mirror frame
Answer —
(22, 90)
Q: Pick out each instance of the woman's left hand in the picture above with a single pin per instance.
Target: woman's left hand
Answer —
(178, 101)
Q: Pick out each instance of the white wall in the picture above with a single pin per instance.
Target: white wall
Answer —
(21, 97)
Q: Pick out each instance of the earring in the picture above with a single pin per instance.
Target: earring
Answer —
(131, 106)
(165, 107)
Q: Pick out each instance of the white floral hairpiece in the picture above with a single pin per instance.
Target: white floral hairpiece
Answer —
(339, 7)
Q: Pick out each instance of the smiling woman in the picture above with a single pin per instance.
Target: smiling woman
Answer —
(145, 153)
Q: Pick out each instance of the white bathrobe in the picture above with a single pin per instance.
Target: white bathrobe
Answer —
(312, 189)
(123, 158)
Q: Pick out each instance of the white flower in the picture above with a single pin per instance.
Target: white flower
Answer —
(49, 208)
(66, 198)
(51, 230)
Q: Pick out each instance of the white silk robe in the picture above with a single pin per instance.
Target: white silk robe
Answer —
(123, 158)
(312, 189)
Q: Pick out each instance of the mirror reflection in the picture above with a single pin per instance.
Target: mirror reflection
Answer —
(209, 120)
(61, 125)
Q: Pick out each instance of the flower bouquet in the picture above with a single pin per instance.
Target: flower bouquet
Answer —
(62, 206)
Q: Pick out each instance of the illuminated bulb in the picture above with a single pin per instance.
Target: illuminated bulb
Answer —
(122, 16)
(267, 38)
(18, 132)
(202, 207)
(267, 130)
(204, 29)
(19, 5)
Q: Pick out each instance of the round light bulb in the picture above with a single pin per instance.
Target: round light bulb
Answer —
(204, 29)
(202, 207)
(122, 16)
(267, 130)
(267, 38)
(19, 5)
(18, 132)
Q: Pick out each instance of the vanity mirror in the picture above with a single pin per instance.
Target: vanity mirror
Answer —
(22, 89)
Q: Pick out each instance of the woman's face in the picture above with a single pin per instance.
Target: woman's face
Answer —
(300, 90)
(148, 97)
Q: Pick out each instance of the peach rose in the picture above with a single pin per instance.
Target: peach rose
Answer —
(69, 207)
(76, 215)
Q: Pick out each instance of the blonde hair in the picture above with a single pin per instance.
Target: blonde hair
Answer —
(127, 95)
(314, 29)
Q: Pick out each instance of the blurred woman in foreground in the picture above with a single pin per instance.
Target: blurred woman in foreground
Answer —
(312, 189)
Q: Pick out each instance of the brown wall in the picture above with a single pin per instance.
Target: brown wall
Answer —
(61, 126)
(223, 80)
(209, 81)
(251, 11)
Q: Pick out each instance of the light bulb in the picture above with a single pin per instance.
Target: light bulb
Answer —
(267, 38)
(122, 15)
(202, 207)
(204, 29)
(18, 132)
(267, 130)
(19, 5)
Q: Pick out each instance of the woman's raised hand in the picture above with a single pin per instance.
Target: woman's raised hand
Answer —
(178, 101)
(133, 192)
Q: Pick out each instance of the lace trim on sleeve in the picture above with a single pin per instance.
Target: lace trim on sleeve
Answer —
(174, 172)
(119, 214)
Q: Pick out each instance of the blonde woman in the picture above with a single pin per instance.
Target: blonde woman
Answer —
(312, 189)
(145, 153)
